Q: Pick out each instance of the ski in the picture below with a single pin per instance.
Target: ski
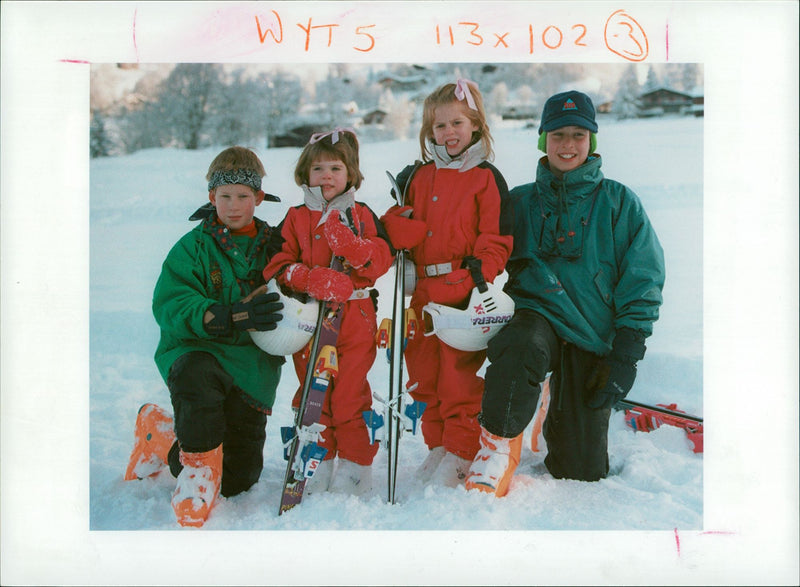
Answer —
(393, 334)
(638, 416)
(301, 448)
(646, 418)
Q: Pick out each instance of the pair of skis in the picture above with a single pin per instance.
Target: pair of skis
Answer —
(393, 334)
(400, 414)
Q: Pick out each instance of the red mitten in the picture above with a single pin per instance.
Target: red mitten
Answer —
(296, 277)
(325, 283)
(451, 289)
(344, 243)
(403, 231)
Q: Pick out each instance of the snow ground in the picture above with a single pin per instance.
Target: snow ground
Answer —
(139, 206)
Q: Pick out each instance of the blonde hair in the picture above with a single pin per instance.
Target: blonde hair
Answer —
(446, 94)
(236, 158)
(345, 149)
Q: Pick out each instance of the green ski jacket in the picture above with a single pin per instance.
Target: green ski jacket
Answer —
(210, 266)
(585, 256)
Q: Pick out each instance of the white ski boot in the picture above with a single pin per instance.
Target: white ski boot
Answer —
(451, 472)
(351, 478)
(426, 469)
(321, 479)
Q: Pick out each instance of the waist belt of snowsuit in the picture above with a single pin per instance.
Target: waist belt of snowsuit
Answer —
(438, 269)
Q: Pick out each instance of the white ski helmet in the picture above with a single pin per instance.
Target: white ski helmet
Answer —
(295, 329)
(470, 329)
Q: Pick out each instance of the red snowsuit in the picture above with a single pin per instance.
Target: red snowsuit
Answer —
(350, 394)
(462, 213)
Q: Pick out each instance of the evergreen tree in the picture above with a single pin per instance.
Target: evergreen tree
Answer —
(652, 82)
(99, 143)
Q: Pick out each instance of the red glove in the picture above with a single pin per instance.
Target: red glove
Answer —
(344, 243)
(403, 231)
(451, 289)
(296, 277)
(325, 283)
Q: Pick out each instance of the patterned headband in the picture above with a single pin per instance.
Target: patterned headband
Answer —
(241, 176)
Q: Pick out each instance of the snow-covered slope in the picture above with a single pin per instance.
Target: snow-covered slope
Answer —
(139, 206)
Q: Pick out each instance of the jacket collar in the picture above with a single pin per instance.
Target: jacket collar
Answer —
(471, 157)
(579, 182)
(313, 199)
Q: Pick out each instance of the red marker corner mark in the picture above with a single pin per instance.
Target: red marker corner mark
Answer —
(677, 542)
(74, 61)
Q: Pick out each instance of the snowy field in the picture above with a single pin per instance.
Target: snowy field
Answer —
(139, 207)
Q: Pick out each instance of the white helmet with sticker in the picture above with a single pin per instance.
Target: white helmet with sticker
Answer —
(295, 329)
(470, 329)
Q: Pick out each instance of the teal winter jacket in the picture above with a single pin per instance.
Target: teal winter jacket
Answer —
(585, 256)
(210, 266)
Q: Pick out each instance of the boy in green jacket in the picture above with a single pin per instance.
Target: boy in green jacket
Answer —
(209, 295)
(586, 276)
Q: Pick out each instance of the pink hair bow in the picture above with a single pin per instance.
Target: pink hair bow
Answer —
(334, 134)
(462, 91)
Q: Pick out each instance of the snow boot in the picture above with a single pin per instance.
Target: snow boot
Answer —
(352, 478)
(425, 470)
(495, 463)
(198, 486)
(154, 436)
(451, 472)
(321, 479)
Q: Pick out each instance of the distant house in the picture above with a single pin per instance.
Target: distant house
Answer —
(403, 83)
(663, 101)
(698, 103)
(605, 107)
(376, 116)
(519, 112)
(294, 137)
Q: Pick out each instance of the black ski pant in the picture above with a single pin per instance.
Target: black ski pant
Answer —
(209, 411)
(520, 357)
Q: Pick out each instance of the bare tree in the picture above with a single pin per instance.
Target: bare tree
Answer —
(188, 96)
(626, 98)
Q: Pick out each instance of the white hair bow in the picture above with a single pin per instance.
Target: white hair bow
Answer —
(334, 134)
(462, 91)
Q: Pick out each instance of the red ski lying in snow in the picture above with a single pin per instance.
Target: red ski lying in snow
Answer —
(640, 417)
(644, 418)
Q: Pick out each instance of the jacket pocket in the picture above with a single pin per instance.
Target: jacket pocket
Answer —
(603, 285)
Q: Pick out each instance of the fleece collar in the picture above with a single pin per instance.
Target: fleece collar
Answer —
(471, 157)
(313, 199)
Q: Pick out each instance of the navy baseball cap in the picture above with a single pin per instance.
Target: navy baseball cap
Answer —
(568, 109)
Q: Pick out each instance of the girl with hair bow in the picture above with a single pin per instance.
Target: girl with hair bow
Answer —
(330, 222)
(453, 218)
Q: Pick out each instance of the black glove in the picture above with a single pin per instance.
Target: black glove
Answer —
(613, 376)
(261, 312)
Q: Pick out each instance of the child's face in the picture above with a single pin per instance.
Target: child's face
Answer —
(567, 148)
(452, 128)
(235, 204)
(330, 175)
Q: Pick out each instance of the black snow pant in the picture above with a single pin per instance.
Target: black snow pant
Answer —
(520, 357)
(209, 411)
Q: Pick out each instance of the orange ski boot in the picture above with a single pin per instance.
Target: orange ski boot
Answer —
(198, 486)
(495, 463)
(154, 436)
